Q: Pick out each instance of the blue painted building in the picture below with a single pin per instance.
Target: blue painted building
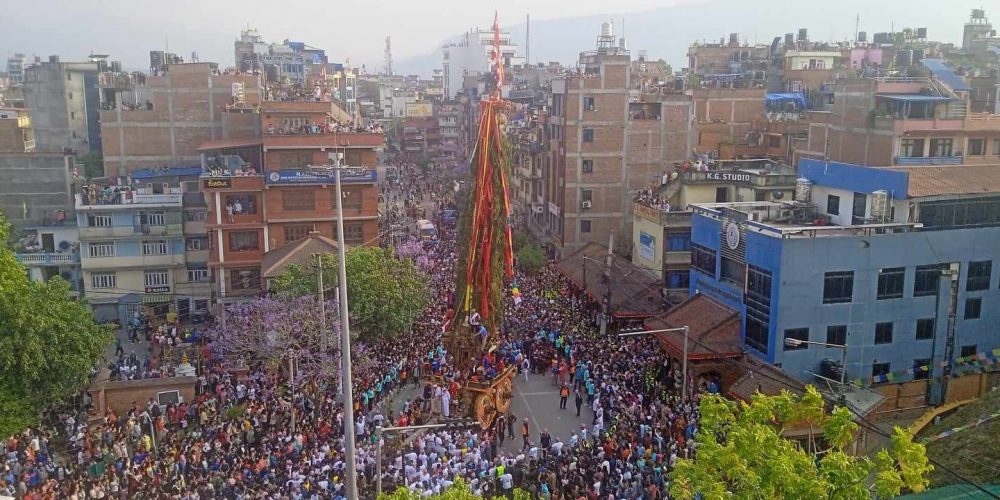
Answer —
(865, 257)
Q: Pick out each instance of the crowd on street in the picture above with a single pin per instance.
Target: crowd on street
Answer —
(258, 437)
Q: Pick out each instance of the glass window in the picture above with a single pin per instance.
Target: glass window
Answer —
(103, 280)
(584, 226)
(836, 334)
(588, 166)
(921, 368)
(152, 218)
(926, 280)
(677, 279)
(733, 271)
(979, 275)
(588, 104)
(678, 242)
(198, 274)
(880, 369)
(157, 278)
(159, 247)
(195, 244)
(354, 233)
(796, 334)
(587, 195)
(890, 283)
(241, 204)
(833, 204)
(588, 135)
(925, 329)
(352, 199)
(977, 147)
(758, 304)
(757, 334)
(194, 215)
(703, 259)
(298, 200)
(296, 233)
(941, 147)
(973, 308)
(996, 146)
(883, 333)
(911, 148)
(98, 220)
(838, 287)
(244, 241)
(102, 248)
(967, 350)
(244, 279)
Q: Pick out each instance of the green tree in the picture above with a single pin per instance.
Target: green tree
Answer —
(93, 164)
(741, 453)
(531, 258)
(457, 491)
(48, 343)
(386, 293)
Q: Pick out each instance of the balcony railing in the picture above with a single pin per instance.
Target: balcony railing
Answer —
(133, 231)
(929, 160)
(49, 258)
(134, 199)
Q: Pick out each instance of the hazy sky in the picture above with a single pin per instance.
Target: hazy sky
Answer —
(355, 29)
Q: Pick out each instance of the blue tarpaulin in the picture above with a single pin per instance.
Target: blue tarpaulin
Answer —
(946, 75)
(778, 98)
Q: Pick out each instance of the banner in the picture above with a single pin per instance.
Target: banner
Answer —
(974, 363)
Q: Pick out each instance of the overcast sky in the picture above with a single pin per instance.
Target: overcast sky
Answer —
(355, 29)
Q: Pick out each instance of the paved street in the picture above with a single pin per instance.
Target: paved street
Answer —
(538, 399)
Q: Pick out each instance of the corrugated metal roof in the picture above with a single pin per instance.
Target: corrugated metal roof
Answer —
(956, 180)
(946, 75)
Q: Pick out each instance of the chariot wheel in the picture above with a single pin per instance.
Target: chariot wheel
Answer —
(486, 410)
(504, 394)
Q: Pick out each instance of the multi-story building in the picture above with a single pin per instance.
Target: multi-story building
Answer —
(453, 125)
(471, 55)
(156, 121)
(421, 138)
(51, 250)
(16, 131)
(37, 188)
(15, 69)
(725, 116)
(608, 141)
(288, 61)
(65, 105)
(661, 218)
(529, 166)
(876, 259)
(264, 193)
(904, 121)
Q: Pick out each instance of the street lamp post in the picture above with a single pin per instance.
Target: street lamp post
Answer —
(843, 361)
(684, 361)
(345, 350)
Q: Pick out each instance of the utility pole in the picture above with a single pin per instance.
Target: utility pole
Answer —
(345, 352)
(684, 367)
(953, 274)
(606, 308)
(324, 347)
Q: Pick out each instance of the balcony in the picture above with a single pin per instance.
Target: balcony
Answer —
(144, 261)
(928, 160)
(129, 200)
(49, 258)
(134, 231)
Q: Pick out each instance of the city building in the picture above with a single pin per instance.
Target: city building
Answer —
(15, 69)
(529, 167)
(65, 105)
(51, 250)
(725, 116)
(16, 131)
(288, 61)
(421, 138)
(923, 120)
(876, 259)
(608, 140)
(978, 35)
(472, 55)
(266, 192)
(661, 218)
(453, 126)
(37, 188)
(157, 121)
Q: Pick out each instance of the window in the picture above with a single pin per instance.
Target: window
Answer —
(911, 148)
(152, 218)
(973, 308)
(158, 247)
(588, 135)
(880, 369)
(194, 215)
(72, 114)
(678, 242)
(677, 279)
(733, 271)
(584, 226)
(833, 204)
(921, 368)
(298, 200)
(838, 287)
(774, 141)
(926, 280)
(195, 244)
(977, 147)
(796, 334)
(102, 249)
(98, 220)
(890, 283)
(588, 104)
(295, 159)
(244, 241)
(703, 259)
(758, 303)
(883, 333)
(354, 233)
(925, 329)
(979, 275)
(941, 147)
(244, 279)
(103, 280)
(156, 278)
(198, 274)
(967, 350)
(586, 196)
(588, 166)
(296, 233)
(836, 334)
(352, 199)
(242, 204)
(721, 194)
(996, 146)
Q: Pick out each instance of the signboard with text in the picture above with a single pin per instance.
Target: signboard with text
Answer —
(158, 289)
(289, 176)
(218, 183)
(419, 109)
(742, 177)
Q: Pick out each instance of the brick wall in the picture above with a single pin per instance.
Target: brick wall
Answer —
(119, 395)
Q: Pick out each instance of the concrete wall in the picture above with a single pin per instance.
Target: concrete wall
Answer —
(57, 95)
(119, 396)
(40, 182)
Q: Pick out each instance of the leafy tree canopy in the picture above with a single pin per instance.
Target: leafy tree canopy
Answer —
(531, 258)
(457, 491)
(386, 293)
(48, 343)
(742, 454)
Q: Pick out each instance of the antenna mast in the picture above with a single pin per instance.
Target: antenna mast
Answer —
(388, 56)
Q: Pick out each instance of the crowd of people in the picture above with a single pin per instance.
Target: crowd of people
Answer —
(257, 436)
(326, 127)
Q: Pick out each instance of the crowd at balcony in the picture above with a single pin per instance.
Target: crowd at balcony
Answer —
(128, 106)
(106, 195)
(296, 93)
(331, 127)
(216, 166)
(649, 198)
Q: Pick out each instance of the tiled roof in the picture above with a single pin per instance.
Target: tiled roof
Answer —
(300, 252)
(951, 180)
(713, 329)
(634, 292)
(766, 379)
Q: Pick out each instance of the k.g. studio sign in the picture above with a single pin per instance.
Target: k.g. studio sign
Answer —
(741, 177)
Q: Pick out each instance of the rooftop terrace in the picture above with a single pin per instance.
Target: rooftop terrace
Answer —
(792, 219)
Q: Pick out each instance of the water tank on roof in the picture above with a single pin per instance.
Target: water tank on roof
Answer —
(880, 38)
(880, 205)
(734, 39)
(803, 189)
(803, 35)
(789, 39)
(922, 33)
(904, 58)
(862, 36)
(607, 29)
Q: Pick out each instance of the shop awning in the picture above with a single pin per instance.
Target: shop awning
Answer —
(156, 298)
(635, 292)
(713, 329)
